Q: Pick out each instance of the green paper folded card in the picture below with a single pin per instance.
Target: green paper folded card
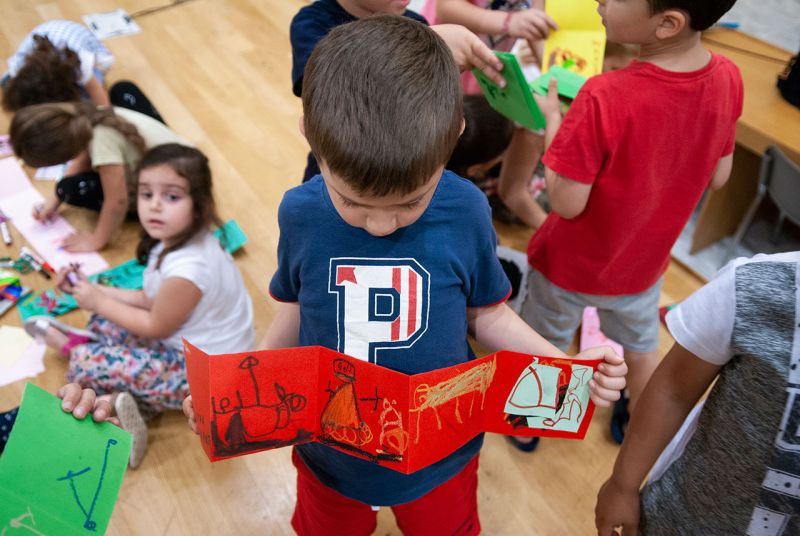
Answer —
(59, 475)
(569, 82)
(515, 101)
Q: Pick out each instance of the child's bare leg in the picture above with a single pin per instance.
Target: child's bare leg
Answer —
(641, 366)
(519, 163)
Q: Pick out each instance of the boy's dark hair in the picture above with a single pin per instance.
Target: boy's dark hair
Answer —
(702, 13)
(382, 104)
(48, 74)
(192, 165)
(486, 135)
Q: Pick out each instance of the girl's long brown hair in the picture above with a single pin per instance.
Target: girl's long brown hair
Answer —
(192, 165)
(48, 74)
(49, 134)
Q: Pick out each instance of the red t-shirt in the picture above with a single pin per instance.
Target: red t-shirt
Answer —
(648, 141)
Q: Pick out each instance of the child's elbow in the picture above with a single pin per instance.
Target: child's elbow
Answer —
(567, 209)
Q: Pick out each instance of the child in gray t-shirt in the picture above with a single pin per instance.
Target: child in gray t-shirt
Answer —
(734, 466)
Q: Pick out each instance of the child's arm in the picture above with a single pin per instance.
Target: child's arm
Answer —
(673, 390)
(97, 93)
(112, 213)
(529, 24)
(499, 328)
(469, 51)
(136, 298)
(284, 331)
(171, 307)
(722, 172)
(133, 297)
(568, 198)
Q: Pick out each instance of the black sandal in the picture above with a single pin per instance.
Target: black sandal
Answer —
(524, 446)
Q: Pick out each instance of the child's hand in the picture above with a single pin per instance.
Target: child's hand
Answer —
(81, 243)
(80, 402)
(44, 212)
(188, 410)
(469, 51)
(67, 278)
(550, 106)
(609, 380)
(616, 507)
(86, 295)
(531, 24)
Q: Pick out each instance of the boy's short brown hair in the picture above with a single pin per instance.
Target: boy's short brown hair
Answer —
(382, 104)
(702, 13)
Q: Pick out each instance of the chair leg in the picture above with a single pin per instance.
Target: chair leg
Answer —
(744, 225)
(776, 231)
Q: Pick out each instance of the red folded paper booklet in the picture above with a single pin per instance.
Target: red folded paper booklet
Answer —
(254, 401)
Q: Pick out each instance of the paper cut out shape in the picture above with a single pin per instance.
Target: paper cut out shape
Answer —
(47, 303)
(515, 101)
(68, 490)
(579, 43)
(17, 199)
(249, 402)
(233, 234)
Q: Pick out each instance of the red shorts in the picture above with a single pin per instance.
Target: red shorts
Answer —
(450, 508)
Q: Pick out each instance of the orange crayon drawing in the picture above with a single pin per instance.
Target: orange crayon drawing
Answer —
(341, 419)
(475, 380)
(393, 438)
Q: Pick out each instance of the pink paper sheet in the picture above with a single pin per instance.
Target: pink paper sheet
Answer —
(29, 364)
(591, 335)
(17, 199)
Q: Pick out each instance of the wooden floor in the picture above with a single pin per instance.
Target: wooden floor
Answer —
(219, 72)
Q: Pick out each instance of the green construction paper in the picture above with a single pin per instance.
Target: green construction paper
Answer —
(515, 101)
(127, 275)
(569, 82)
(59, 475)
(33, 305)
(234, 237)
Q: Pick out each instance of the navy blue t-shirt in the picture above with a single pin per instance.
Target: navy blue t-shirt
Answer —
(399, 301)
(312, 23)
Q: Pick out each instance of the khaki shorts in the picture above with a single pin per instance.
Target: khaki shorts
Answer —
(630, 319)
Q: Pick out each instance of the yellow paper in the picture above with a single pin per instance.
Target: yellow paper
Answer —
(13, 343)
(580, 41)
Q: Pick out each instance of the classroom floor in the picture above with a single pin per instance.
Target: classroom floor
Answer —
(218, 71)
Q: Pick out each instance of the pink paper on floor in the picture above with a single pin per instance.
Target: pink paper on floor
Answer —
(591, 335)
(17, 199)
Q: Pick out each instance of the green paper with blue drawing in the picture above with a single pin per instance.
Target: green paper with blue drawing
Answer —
(59, 475)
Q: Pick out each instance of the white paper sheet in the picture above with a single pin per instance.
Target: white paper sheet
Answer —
(111, 24)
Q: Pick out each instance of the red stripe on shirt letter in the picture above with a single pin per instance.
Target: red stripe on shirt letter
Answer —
(412, 302)
(396, 286)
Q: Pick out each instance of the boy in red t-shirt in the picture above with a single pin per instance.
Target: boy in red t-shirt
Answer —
(624, 171)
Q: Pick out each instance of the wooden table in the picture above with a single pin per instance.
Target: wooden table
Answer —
(767, 119)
